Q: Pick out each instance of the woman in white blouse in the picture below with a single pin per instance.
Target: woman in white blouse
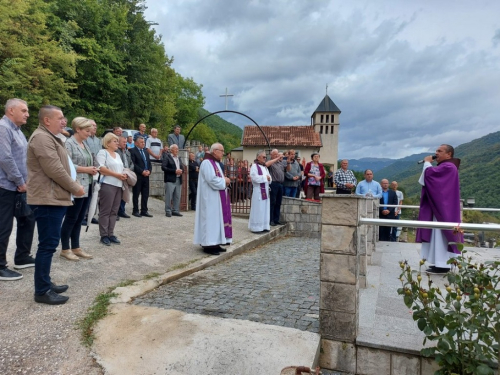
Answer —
(110, 195)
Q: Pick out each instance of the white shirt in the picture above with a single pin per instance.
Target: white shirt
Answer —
(115, 164)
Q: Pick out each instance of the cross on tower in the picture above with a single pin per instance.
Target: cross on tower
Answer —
(225, 97)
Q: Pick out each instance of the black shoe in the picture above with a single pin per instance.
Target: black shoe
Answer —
(106, 241)
(58, 288)
(211, 251)
(273, 224)
(281, 222)
(265, 230)
(84, 223)
(221, 250)
(136, 214)
(124, 215)
(168, 214)
(113, 239)
(147, 214)
(176, 214)
(51, 298)
(9, 275)
(27, 262)
(437, 270)
(94, 221)
(117, 218)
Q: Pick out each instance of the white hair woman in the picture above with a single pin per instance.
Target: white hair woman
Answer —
(110, 195)
(81, 156)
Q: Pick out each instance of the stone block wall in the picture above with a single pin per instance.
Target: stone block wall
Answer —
(361, 360)
(343, 253)
(303, 217)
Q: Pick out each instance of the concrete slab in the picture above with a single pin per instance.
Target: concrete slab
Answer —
(146, 340)
(384, 320)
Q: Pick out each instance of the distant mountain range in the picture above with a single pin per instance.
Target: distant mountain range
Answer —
(479, 170)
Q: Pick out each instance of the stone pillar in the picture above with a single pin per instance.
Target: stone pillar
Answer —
(342, 273)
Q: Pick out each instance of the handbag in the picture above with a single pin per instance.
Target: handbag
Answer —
(22, 209)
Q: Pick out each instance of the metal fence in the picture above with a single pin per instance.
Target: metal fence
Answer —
(240, 190)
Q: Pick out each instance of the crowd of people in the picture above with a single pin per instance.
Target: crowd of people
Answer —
(64, 180)
(60, 177)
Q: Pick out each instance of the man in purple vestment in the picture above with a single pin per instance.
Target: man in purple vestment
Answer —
(440, 201)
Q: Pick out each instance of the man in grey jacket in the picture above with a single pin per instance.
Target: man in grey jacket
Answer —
(292, 176)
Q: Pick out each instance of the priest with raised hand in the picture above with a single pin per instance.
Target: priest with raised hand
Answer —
(440, 201)
(260, 208)
(212, 226)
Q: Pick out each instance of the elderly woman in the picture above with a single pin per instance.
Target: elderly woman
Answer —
(315, 175)
(260, 208)
(81, 156)
(110, 195)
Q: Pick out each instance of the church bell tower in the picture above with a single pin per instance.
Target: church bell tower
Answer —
(325, 121)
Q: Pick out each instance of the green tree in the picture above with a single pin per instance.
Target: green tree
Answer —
(33, 65)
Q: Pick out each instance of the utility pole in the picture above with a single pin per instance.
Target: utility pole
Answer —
(225, 96)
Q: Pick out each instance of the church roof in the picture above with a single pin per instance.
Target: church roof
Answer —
(288, 136)
(327, 105)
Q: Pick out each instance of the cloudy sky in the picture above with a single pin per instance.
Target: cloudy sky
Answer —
(407, 75)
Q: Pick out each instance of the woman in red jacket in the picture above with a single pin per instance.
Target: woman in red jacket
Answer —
(315, 176)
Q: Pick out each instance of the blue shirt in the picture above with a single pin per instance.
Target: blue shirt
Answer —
(13, 148)
(363, 188)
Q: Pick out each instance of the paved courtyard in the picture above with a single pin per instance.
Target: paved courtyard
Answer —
(276, 284)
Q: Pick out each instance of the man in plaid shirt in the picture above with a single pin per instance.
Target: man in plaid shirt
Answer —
(344, 179)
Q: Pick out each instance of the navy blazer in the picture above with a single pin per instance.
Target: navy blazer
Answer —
(168, 167)
(392, 199)
(138, 160)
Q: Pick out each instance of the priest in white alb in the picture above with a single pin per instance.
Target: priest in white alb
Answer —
(212, 226)
(260, 209)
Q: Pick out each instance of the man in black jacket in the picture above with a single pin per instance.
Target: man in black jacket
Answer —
(389, 197)
(173, 168)
(194, 169)
(142, 168)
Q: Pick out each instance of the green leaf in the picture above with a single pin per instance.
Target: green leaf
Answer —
(484, 370)
(443, 346)
(422, 323)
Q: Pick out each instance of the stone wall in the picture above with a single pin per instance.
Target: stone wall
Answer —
(303, 217)
(361, 360)
(346, 249)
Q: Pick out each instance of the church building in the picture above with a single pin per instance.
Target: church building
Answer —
(322, 136)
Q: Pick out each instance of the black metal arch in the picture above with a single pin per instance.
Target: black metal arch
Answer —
(239, 113)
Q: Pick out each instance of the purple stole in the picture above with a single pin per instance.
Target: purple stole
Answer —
(263, 192)
(226, 206)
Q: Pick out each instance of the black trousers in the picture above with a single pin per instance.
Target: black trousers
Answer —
(276, 198)
(141, 188)
(25, 228)
(193, 187)
(384, 233)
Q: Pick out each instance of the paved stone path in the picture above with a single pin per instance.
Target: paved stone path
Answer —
(276, 284)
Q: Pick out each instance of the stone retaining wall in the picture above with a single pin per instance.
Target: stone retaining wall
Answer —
(303, 217)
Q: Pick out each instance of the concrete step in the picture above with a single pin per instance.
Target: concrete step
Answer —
(146, 340)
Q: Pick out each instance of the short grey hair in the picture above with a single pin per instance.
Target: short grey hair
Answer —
(260, 152)
(174, 146)
(14, 102)
(212, 148)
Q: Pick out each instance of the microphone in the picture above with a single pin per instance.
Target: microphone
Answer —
(423, 161)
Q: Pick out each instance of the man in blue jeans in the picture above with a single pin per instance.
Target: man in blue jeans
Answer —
(50, 189)
(13, 176)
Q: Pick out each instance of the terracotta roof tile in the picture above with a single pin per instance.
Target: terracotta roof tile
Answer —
(288, 136)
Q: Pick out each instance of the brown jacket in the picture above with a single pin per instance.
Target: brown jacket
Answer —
(49, 176)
